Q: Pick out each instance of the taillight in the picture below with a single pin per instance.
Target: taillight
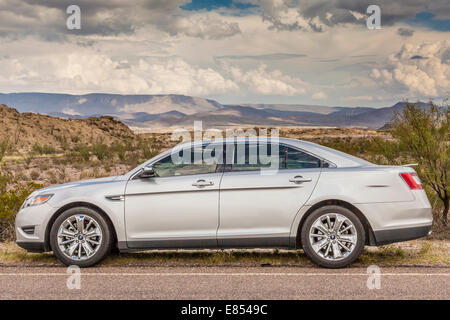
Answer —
(412, 180)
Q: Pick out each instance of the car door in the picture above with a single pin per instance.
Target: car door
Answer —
(178, 207)
(257, 208)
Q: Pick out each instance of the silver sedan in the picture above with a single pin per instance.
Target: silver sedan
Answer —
(231, 193)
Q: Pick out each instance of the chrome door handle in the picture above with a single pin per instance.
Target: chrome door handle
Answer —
(202, 183)
(299, 179)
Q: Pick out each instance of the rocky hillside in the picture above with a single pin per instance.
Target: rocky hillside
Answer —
(24, 130)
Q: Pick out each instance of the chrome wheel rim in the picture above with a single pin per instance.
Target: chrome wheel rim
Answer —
(333, 236)
(79, 237)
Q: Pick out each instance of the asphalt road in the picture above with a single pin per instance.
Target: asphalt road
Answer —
(223, 283)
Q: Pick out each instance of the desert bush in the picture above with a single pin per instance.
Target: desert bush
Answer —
(83, 151)
(28, 158)
(63, 142)
(102, 151)
(34, 175)
(43, 149)
(424, 135)
(120, 149)
(5, 146)
(148, 148)
(52, 177)
(12, 195)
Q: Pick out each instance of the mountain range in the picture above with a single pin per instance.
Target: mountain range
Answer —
(160, 112)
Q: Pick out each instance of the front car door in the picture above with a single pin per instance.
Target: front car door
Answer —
(179, 206)
(257, 206)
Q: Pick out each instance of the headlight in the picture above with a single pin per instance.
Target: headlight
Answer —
(37, 200)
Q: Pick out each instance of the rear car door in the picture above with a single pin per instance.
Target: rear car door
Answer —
(257, 206)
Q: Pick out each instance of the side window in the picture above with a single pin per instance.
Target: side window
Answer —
(253, 157)
(296, 159)
(197, 164)
(247, 158)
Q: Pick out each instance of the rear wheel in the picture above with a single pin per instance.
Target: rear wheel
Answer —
(81, 236)
(333, 237)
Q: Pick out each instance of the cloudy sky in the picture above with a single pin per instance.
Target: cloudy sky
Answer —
(235, 51)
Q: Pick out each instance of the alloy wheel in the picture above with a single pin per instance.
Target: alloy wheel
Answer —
(79, 237)
(333, 236)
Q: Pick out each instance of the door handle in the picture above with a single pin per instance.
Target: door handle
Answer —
(299, 179)
(202, 183)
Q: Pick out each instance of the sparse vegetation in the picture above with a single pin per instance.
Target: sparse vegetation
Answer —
(43, 149)
(5, 146)
(12, 195)
(419, 252)
(425, 137)
(101, 150)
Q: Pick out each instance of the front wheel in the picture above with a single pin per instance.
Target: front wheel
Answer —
(333, 237)
(81, 236)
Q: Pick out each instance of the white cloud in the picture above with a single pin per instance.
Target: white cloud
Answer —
(177, 76)
(204, 26)
(90, 71)
(46, 19)
(265, 82)
(418, 69)
(282, 15)
(319, 95)
(359, 98)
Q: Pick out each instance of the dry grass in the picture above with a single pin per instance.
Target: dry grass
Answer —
(412, 253)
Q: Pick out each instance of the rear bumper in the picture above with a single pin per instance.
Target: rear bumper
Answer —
(398, 235)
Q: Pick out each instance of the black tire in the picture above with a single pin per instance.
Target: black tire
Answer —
(106, 242)
(315, 257)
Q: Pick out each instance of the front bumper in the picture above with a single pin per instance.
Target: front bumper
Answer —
(383, 237)
(35, 218)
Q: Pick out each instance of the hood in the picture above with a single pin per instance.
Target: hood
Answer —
(76, 184)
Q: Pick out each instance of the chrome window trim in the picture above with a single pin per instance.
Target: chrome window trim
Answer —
(193, 144)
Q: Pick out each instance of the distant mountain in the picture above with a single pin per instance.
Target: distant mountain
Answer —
(169, 111)
(296, 107)
(105, 104)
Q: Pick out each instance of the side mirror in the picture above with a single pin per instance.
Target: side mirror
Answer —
(147, 172)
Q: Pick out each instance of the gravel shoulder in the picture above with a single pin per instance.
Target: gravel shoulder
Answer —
(430, 253)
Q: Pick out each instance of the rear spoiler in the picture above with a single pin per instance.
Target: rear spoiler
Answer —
(410, 165)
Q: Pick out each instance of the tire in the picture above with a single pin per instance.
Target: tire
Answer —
(98, 237)
(326, 248)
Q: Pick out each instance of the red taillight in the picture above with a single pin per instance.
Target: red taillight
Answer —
(412, 180)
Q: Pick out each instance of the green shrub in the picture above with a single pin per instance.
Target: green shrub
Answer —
(147, 148)
(83, 151)
(102, 151)
(5, 146)
(43, 149)
(12, 195)
(120, 149)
